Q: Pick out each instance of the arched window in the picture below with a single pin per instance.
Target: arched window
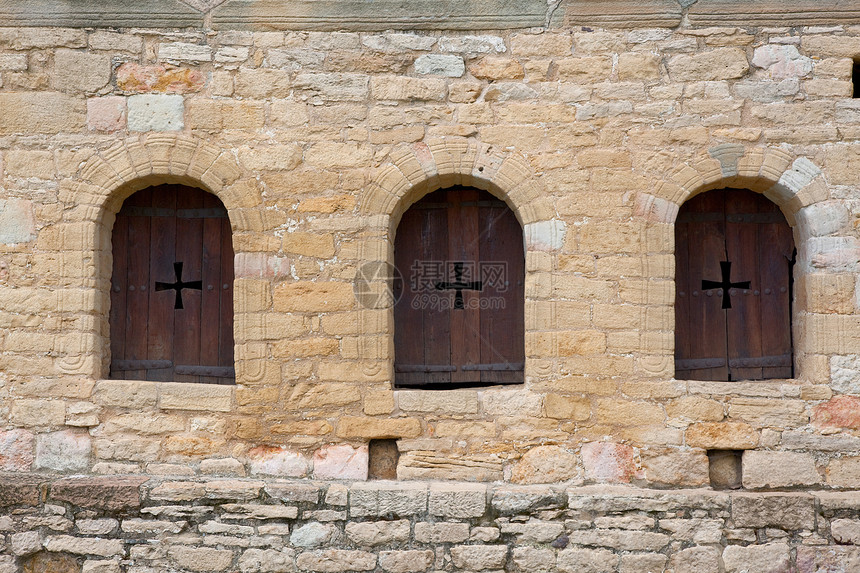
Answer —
(171, 314)
(734, 255)
(459, 316)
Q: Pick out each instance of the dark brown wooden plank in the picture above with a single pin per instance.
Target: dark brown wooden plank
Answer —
(118, 290)
(706, 248)
(138, 285)
(502, 314)
(161, 309)
(225, 328)
(187, 326)
(744, 327)
(436, 318)
(408, 316)
(777, 248)
(463, 247)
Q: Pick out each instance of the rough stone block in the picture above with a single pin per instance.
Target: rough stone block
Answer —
(341, 461)
(336, 560)
(768, 557)
(201, 558)
(546, 464)
(440, 65)
(576, 560)
(277, 461)
(197, 397)
(479, 557)
(66, 450)
(107, 493)
(17, 450)
(762, 469)
(370, 533)
(608, 462)
(784, 511)
(387, 498)
(77, 71)
(458, 500)
(17, 221)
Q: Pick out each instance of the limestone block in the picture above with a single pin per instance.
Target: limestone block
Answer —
(201, 558)
(341, 461)
(608, 462)
(545, 235)
(676, 467)
(638, 66)
(184, 52)
(112, 41)
(336, 560)
(156, 112)
(26, 543)
(845, 531)
(696, 560)
(584, 70)
(334, 87)
(450, 66)
(511, 403)
(17, 450)
(764, 412)
(763, 469)
(126, 393)
(839, 412)
(38, 412)
(200, 397)
(106, 113)
(491, 68)
(567, 408)
(441, 532)
(275, 460)
(77, 71)
(387, 498)
(576, 560)
(472, 44)
(84, 545)
(222, 466)
(370, 533)
(718, 64)
(393, 42)
(844, 472)
(406, 561)
(457, 500)
(771, 556)
(546, 464)
(13, 62)
(541, 45)
(136, 78)
(785, 511)
(376, 428)
(449, 402)
(266, 560)
(314, 534)
(812, 559)
(479, 557)
(17, 221)
(722, 436)
(401, 88)
(104, 526)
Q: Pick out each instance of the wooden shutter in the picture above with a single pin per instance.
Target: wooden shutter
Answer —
(171, 313)
(748, 336)
(459, 315)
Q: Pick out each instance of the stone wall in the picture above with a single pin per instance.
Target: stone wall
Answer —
(107, 525)
(317, 141)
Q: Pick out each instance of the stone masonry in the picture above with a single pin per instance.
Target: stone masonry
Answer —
(317, 124)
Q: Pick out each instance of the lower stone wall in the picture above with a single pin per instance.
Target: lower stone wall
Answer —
(139, 524)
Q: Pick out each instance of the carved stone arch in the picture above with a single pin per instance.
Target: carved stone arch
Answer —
(795, 184)
(417, 169)
(110, 176)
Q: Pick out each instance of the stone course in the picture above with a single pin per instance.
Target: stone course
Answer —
(594, 528)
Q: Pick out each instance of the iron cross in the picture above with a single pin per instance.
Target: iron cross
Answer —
(725, 284)
(178, 285)
(459, 286)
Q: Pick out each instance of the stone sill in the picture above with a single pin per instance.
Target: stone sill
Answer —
(164, 395)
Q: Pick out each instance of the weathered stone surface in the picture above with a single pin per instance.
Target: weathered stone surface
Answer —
(370, 533)
(768, 557)
(840, 412)
(201, 558)
(135, 78)
(155, 112)
(277, 461)
(592, 560)
(41, 112)
(341, 462)
(108, 493)
(785, 511)
(336, 560)
(457, 500)
(84, 545)
(696, 560)
(66, 450)
(814, 559)
(441, 532)
(546, 464)
(388, 498)
(267, 561)
(722, 436)
(440, 65)
(313, 534)
(479, 557)
(719, 64)
(778, 469)
(608, 462)
(17, 450)
(406, 561)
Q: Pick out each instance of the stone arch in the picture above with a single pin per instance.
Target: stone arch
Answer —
(417, 169)
(111, 175)
(795, 184)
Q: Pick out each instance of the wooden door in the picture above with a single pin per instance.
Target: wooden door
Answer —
(459, 315)
(171, 315)
(734, 255)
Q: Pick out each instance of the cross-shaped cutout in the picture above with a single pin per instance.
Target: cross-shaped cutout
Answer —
(459, 286)
(725, 284)
(178, 285)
